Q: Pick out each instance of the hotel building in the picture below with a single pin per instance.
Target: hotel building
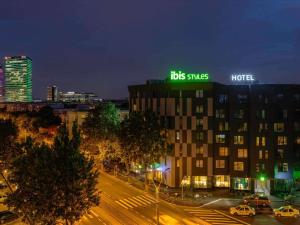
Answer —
(240, 137)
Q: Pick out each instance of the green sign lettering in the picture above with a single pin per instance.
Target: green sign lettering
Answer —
(178, 75)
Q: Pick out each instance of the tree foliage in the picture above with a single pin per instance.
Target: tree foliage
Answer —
(100, 130)
(56, 183)
(142, 138)
(8, 134)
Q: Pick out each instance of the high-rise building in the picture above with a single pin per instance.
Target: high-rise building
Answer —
(1, 85)
(52, 94)
(18, 79)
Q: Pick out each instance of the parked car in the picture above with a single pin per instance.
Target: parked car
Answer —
(286, 211)
(256, 200)
(7, 216)
(242, 210)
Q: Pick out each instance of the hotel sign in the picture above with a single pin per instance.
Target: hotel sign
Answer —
(242, 77)
(178, 75)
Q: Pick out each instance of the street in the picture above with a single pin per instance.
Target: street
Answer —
(124, 204)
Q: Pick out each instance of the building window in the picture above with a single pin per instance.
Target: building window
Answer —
(220, 113)
(278, 127)
(260, 141)
(242, 99)
(285, 167)
(134, 107)
(282, 140)
(220, 138)
(200, 181)
(238, 140)
(262, 127)
(261, 114)
(257, 167)
(297, 126)
(242, 153)
(199, 122)
(199, 163)
(223, 99)
(222, 181)
(260, 154)
(263, 141)
(199, 136)
(280, 153)
(284, 114)
(223, 126)
(242, 127)
(239, 114)
(266, 154)
(199, 150)
(199, 93)
(199, 109)
(220, 164)
(297, 140)
(178, 109)
(223, 151)
(238, 166)
(178, 163)
(177, 136)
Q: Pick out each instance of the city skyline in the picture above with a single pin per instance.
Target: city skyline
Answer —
(103, 48)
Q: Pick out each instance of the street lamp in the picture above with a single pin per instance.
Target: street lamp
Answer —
(157, 188)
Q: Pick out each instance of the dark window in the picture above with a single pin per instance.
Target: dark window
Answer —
(242, 99)
(223, 99)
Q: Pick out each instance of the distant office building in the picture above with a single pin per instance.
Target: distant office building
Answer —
(1, 85)
(18, 79)
(77, 97)
(52, 94)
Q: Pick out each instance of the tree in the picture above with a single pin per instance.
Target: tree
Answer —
(45, 117)
(100, 130)
(8, 134)
(56, 183)
(143, 139)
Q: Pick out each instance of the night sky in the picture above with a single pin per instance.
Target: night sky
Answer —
(102, 46)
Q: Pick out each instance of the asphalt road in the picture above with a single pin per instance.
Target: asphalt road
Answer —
(124, 204)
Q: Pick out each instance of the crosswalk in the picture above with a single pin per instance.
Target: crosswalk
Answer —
(136, 201)
(215, 217)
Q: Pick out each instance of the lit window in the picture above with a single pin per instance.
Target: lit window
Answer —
(239, 166)
(260, 154)
(199, 163)
(199, 109)
(263, 141)
(285, 167)
(278, 127)
(238, 140)
(200, 181)
(220, 164)
(282, 140)
(266, 154)
(177, 135)
(222, 181)
(223, 151)
(199, 150)
(297, 140)
(199, 122)
(199, 136)
(220, 138)
(242, 153)
(178, 163)
(199, 93)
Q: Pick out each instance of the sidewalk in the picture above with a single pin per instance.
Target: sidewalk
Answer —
(174, 196)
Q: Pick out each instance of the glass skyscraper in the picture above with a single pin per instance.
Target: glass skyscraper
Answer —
(18, 79)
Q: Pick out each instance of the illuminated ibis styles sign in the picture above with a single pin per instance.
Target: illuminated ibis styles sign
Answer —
(242, 77)
(178, 75)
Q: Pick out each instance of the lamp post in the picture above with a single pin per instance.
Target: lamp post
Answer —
(157, 188)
